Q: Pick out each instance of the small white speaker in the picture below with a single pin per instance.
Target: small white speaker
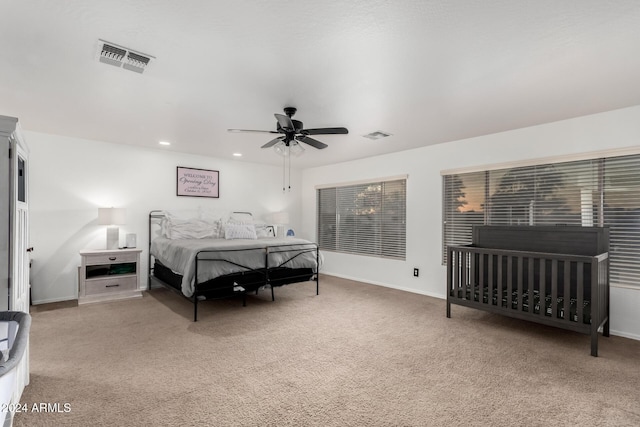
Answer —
(131, 240)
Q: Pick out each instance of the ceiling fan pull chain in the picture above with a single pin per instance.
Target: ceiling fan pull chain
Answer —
(289, 169)
(283, 172)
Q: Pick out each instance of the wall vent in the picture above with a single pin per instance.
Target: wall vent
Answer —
(123, 57)
(377, 135)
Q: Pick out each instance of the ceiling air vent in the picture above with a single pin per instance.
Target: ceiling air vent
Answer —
(119, 56)
(377, 135)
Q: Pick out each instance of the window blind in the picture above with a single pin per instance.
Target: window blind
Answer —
(364, 218)
(593, 192)
(463, 207)
(621, 210)
(548, 194)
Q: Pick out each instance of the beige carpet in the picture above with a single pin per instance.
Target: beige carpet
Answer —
(356, 355)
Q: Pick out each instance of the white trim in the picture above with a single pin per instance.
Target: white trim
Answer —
(614, 152)
(631, 287)
(58, 299)
(384, 285)
(363, 181)
(624, 334)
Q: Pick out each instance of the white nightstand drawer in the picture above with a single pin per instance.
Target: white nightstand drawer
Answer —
(105, 286)
(112, 258)
(107, 275)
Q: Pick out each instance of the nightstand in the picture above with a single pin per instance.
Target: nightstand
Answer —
(107, 275)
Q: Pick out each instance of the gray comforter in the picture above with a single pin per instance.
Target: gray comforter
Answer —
(179, 255)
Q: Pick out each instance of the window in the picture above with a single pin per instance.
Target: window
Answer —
(604, 192)
(364, 219)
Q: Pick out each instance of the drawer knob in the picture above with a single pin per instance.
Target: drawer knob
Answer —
(112, 286)
(112, 258)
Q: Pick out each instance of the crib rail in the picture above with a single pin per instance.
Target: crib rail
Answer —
(567, 291)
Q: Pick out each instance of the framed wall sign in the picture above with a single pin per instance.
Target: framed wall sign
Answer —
(197, 182)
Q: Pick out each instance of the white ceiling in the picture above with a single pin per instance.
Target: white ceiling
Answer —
(426, 71)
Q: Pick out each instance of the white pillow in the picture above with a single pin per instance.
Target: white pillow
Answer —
(241, 218)
(264, 230)
(240, 231)
(169, 216)
(213, 215)
(192, 229)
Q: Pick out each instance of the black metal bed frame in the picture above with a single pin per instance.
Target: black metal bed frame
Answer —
(250, 279)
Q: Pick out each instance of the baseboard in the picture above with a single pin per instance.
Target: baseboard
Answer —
(47, 301)
(387, 285)
(624, 335)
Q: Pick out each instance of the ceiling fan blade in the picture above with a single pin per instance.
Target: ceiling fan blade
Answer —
(312, 142)
(251, 130)
(325, 131)
(285, 122)
(272, 142)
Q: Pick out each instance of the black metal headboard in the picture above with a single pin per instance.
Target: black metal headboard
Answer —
(574, 240)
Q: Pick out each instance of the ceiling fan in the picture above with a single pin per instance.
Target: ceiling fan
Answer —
(293, 131)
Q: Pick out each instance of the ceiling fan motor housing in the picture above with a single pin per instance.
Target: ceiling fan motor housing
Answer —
(290, 111)
(297, 125)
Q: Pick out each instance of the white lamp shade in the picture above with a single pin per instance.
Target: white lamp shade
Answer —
(295, 149)
(280, 218)
(111, 216)
(281, 149)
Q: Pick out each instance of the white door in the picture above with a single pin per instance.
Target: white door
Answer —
(19, 292)
(19, 287)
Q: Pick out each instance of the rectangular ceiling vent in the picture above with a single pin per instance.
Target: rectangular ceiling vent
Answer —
(119, 56)
(377, 135)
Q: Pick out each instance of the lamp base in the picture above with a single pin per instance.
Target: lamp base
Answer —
(113, 237)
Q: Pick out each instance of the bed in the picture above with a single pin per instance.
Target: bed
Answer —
(212, 255)
(553, 275)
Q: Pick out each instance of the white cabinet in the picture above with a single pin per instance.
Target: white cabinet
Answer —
(14, 233)
(109, 274)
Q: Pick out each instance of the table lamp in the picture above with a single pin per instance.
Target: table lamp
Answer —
(280, 219)
(112, 217)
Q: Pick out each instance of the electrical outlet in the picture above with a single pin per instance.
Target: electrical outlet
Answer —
(416, 272)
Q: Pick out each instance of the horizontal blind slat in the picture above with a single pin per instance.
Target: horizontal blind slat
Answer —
(370, 219)
(571, 193)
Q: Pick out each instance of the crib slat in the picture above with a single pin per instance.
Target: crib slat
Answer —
(530, 287)
(580, 291)
(499, 283)
(472, 276)
(567, 289)
(554, 288)
(456, 273)
(542, 287)
(481, 279)
(519, 298)
(509, 281)
(491, 281)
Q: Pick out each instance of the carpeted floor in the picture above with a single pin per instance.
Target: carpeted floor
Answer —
(356, 355)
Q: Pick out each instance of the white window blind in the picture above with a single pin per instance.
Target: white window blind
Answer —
(549, 194)
(463, 207)
(622, 214)
(364, 218)
(594, 192)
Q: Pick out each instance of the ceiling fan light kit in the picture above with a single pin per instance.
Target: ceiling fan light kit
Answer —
(293, 149)
(292, 134)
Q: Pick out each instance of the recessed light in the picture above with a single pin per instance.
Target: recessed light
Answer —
(377, 135)
(237, 154)
(164, 143)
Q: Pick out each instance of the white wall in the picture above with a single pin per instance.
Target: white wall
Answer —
(70, 178)
(610, 130)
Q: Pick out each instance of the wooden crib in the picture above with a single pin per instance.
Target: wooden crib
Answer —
(553, 275)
